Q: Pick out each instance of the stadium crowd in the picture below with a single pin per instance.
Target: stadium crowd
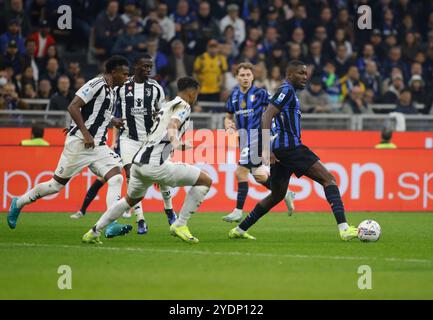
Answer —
(350, 69)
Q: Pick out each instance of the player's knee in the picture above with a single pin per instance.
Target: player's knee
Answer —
(261, 179)
(329, 180)
(204, 180)
(115, 180)
(55, 186)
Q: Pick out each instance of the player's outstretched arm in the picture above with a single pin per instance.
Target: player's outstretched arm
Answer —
(267, 156)
(173, 132)
(74, 110)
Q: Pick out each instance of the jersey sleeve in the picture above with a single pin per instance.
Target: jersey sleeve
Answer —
(161, 101)
(88, 91)
(280, 98)
(229, 105)
(264, 96)
(181, 113)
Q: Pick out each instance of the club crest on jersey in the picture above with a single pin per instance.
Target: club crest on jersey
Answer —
(138, 101)
(243, 104)
(148, 92)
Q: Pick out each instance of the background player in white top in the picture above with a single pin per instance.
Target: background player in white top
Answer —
(91, 112)
(152, 165)
(139, 100)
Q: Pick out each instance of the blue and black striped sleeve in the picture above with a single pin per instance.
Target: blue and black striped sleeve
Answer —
(229, 105)
(281, 97)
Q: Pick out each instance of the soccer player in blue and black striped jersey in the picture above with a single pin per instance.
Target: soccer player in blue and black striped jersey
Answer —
(245, 107)
(288, 155)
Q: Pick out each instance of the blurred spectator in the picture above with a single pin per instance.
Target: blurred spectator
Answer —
(299, 20)
(30, 57)
(218, 9)
(167, 24)
(179, 64)
(394, 90)
(273, 19)
(208, 27)
(395, 60)
(260, 75)
(376, 41)
(316, 57)
(74, 71)
(405, 104)
(233, 19)
(14, 10)
(295, 52)
(160, 61)
(350, 80)
(44, 89)
(277, 58)
(209, 69)
(10, 98)
(249, 54)
(340, 39)
(52, 73)
(108, 26)
(29, 92)
(298, 36)
(43, 39)
(314, 99)
(321, 35)
(270, 40)
(331, 82)
(37, 137)
(83, 17)
(274, 81)
(385, 142)
(369, 97)
(254, 19)
(12, 58)
(354, 103)
(79, 82)
(229, 39)
(253, 39)
(185, 22)
(419, 94)
(230, 81)
(52, 53)
(26, 78)
(372, 79)
(345, 21)
(13, 33)
(367, 55)
(341, 61)
(63, 97)
(130, 43)
(388, 23)
(154, 32)
(37, 11)
(410, 47)
(129, 9)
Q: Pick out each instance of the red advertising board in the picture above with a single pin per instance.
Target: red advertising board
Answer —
(369, 179)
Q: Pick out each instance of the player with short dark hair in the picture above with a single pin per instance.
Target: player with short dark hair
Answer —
(290, 156)
(92, 112)
(245, 107)
(152, 165)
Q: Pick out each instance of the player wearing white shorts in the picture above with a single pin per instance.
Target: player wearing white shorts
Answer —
(139, 101)
(152, 165)
(91, 111)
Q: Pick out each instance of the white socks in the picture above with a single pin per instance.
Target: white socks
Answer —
(138, 211)
(343, 226)
(113, 213)
(192, 201)
(39, 191)
(114, 190)
(166, 197)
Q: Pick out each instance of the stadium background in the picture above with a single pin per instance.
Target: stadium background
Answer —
(353, 72)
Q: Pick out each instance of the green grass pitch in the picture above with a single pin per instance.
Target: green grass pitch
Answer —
(299, 257)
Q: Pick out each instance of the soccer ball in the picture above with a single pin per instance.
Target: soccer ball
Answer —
(369, 231)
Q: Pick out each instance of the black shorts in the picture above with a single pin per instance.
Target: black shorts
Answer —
(296, 161)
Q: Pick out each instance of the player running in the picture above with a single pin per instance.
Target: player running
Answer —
(152, 165)
(140, 99)
(91, 111)
(247, 104)
(289, 156)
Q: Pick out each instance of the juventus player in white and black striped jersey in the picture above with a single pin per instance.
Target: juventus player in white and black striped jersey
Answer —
(152, 165)
(91, 111)
(139, 100)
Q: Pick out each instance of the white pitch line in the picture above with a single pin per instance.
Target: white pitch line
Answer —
(219, 253)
